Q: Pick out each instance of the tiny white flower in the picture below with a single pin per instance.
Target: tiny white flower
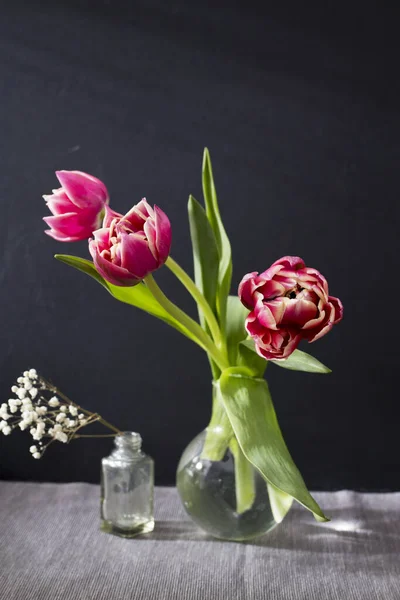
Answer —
(33, 449)
(54, 401)
(73, 410)
(25, 373)
(83, 421)
(61, 437)
(57, 428)
(41, 410)
(33, 392)
(27, 416)
(14, 389)
(81, 416)
(20, 380)
(38, 431)
(41, 427)
(21, 393)
(64, 409)
(51, 431)
(2, 425)
(27, 383)
(4, 415)
(60, 417)
(23, 425)
(32, 373)
(36, 455)
(7, 430)
(13, 407)
(3, 406)
(70, 422)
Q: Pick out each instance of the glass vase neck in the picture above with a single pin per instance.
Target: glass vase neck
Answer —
(128, 440)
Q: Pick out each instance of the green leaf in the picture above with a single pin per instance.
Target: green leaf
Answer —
(138, 295)
(238, 351)
(223, 245)
(250, 410)
(280, 502)
(86, 266)
(248, 357)
(236, 314)
(301, 361)
(205, 254)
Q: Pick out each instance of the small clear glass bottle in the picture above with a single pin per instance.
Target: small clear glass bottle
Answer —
(127, 488)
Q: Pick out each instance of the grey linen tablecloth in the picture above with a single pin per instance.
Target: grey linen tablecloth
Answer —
(51, 549)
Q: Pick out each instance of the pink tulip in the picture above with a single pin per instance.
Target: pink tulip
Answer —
(77, 206)
(127, 248)
(288, 302)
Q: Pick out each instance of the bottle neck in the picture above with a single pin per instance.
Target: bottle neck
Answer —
(127, 443)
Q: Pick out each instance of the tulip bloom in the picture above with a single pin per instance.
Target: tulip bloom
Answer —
(288, 302)
(77, 206)
(127, 248)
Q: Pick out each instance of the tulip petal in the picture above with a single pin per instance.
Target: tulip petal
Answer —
(269, 314)
(271, 289)
(61, 237)
(286, 281)
(111, 272)
(84, 190)
(110, 215)
(163, 234)
(80, 225)
(298, 312)
(59, 203)
(136, 256)
(150, 233)
(292, 263)
(102, 239)
(253, 327)
(246, 289)
(271, 272)
(138, 215)
(338, 308)
(310, 273)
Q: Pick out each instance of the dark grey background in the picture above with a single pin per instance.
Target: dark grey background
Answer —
(300, 109)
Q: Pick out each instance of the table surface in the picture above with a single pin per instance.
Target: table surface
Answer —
(51, 548)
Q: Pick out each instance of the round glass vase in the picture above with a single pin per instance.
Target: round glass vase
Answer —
(227, 498)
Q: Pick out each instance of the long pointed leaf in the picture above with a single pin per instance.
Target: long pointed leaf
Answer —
(235, 331)
(280, 502)
(297, 361)
(301, 361)
(250, 410)
(138, 295)
(223, 245)
(205, 254)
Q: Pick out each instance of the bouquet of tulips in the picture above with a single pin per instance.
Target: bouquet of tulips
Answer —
(273, 311)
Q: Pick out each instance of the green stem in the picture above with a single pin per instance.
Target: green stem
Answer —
(244, 479)
(219, 431)
(203, 340)
(196, 294)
